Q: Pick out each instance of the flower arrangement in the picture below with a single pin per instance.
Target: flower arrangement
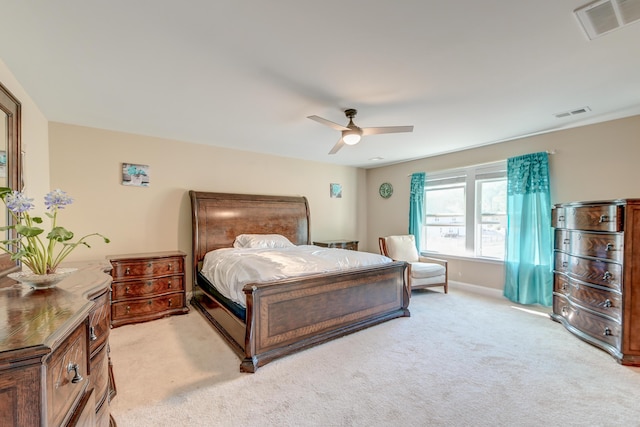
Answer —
(41, 256)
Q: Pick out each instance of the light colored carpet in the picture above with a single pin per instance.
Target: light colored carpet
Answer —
(459, 360)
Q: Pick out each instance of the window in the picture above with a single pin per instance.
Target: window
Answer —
(466, 211)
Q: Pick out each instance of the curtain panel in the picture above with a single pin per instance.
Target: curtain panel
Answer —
(416, 206)
(529, 242)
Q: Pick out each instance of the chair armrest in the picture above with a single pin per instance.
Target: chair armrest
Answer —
(442, 262)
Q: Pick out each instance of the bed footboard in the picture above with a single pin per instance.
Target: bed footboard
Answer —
(295, 314)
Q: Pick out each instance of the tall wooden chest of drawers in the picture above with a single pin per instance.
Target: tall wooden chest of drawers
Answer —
(147, 286)
(596, 291)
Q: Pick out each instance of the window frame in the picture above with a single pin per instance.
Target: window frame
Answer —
(469, 176)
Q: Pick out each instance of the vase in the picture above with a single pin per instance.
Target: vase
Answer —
(42, 281)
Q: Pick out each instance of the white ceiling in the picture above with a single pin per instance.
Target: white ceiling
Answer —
(245, 74)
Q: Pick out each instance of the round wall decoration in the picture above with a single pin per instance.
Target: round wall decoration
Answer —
(386, 190)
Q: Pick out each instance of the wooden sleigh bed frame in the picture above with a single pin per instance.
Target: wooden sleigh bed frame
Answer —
(293, 314)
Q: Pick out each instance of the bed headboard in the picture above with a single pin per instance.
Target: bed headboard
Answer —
(217, 218)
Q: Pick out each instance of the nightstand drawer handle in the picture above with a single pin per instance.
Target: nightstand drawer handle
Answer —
(609, 247)
(126, 290)
(128, 309)
(607, 276)
(565, 264)
(607, 332)
(607, 303)
(76, 376)
(561, 218)
(604, 218)
(566, 241)
(127, 271)
(169, 284)
(149, 282)
(170, 303)
(170, 266)
(92, 334)
(149, 265)
(149, 302)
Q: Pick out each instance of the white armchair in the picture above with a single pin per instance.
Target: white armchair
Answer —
(422, 272)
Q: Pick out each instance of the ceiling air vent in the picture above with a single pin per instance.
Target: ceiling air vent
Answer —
(603, 16)
(572, 112)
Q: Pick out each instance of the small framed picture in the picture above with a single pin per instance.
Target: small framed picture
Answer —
(335, 191)
(135, 175)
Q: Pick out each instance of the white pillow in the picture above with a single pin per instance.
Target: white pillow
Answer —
(402, 248)
(258, 241)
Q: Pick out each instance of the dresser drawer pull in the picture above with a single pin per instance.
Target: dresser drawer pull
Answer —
(126, 290)
(609, 247)
(607, 276)
(607, 332)
(561, 218)
(127, 271)
(170, 303)
(565, 264)
(170, 266)
(169, 284)
(92, 334)
(564, 310)
(607, 303)
(149, 282)
(604, 218)
(149, 265)
(564, 287)
(76, 375)
(566, 241)
(128, 309)
(149, 302)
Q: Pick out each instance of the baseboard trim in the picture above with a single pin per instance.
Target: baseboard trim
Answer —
(476, 289)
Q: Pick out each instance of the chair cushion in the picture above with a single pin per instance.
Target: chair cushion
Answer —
(402, 248)
(423, 270)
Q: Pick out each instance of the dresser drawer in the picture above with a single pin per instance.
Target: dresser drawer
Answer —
(67, 375)
(599, 272)
(603, 301)
(99, 322)
(146, 287)
(597, 245)
(148, 306)
(598, 327)
(606, 217)
(131, 269)
(100, 375)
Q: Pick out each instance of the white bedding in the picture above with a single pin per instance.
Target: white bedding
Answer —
(230, 269)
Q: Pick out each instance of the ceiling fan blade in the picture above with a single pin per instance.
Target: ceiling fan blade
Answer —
(328, 123)
(338, 146)
(386, 129)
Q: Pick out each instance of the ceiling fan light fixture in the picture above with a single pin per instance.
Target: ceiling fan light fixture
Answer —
(351, 137)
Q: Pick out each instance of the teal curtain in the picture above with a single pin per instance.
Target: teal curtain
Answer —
(416, 206)
(529, 242)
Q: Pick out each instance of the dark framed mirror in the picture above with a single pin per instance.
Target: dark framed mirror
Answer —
(10, 161)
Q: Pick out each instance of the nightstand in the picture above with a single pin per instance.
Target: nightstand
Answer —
(147, 286)
(352, 245)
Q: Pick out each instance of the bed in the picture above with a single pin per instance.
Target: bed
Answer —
(284, 316)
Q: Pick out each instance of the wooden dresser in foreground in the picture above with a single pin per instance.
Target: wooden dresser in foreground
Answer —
(597, 274)
(147, 286)
(54, 352)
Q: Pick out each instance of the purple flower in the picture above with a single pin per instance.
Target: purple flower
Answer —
(18, 203)
(57, 199)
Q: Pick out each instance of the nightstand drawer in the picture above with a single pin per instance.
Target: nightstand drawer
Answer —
(138, 309)
(147, 268)
(147, 287)
(351, 245)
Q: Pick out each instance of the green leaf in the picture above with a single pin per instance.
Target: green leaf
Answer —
(60, 234)
(28, 231)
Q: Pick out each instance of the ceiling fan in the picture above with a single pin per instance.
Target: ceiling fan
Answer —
(351, 134)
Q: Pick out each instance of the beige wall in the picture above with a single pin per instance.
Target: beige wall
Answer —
(86, 163)
(596, 162)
